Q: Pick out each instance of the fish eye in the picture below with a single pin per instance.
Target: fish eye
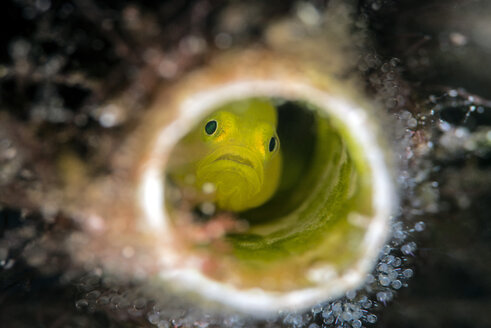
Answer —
(272, 144)
(211, 127)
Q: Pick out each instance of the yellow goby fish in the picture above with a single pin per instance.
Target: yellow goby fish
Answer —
(235, 152)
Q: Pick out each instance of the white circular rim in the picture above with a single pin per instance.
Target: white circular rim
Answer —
(257, 301)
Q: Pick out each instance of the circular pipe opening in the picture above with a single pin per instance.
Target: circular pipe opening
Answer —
(318, 234)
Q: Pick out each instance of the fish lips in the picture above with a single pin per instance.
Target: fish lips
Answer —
(237, 174)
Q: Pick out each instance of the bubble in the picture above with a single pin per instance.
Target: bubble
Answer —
(367, 304)
(389, 259)
(81, 304)
(356, 324)
(386, 250)
(419, 226)
(383, 267)
(104, 300)
(408, 273)
(93, 295)
(293, 319)
(371, 318)
(327, 312)
(347, 316)
(116, 300)
(89, 282)
(357, 313)
(140, 303)
(409, 248)
(153, 318)
(384, 280)
(384, 297)
(351, 294)
(337, 308)
(396, 284)
(329, 320)
(399, 232)
(412, 123)
(392, 274)
(316, 309)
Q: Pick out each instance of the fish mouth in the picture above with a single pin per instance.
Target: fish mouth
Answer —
(236, 159)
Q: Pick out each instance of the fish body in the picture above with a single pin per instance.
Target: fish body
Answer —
(235, 155)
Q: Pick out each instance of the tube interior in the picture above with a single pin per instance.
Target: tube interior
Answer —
(310, 230)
